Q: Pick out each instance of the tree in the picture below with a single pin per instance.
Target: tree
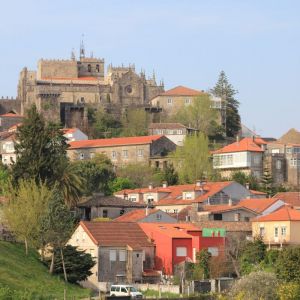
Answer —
(140, 174)
(56, 227)
(202, 265)
(226, 92)
(97, 174)
(244, 179)
(78, 264)
(192, 160)
(199, 115)
(286, 267)
(119, 184)
(255, 286)
(267, 182)
(103, 124)
(252, 254)
(4, 179)
(170, 175)
(40, 150)
(135, 123)
(25, 209)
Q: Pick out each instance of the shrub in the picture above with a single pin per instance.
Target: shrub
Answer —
(289, 291)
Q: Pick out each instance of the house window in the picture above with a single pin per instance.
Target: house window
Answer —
(214, 251)
(140, 152)
(170, 101)
(181, 251)
(175, 211)
(132, 198)
(261, 231)
(276, 232)
(158, 216)
(122, 255)
(288, 150)
(89, 68)
(125, 153)
(105, 213)
(218, 217)
(179, 131)
(237, 217)
(247, 219)
(97, 68)
(112, 255)
(113, 154)
(283, 231)
(150, 199)
(187, 101)
(278, 164)
(188, 196)
(81, 156)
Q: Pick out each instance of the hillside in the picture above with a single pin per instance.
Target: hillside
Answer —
(21, 273)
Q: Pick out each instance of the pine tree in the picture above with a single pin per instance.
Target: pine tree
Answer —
(225, 90)
(267, 182)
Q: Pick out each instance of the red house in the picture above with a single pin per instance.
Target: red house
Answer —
(175, 243)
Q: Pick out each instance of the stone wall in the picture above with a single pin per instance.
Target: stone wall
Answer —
(7, 105)
(57, 69)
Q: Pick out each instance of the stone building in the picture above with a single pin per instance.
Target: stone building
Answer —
(62, 89)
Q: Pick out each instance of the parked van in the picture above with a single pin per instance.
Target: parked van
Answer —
(125, 290)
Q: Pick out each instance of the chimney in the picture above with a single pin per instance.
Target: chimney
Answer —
(150, 186)
(147, 211)
(198, 182)
(247, 185)
(230, 202)
(237, 139)
(164, 184)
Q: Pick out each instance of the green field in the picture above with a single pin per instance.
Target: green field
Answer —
(25, 277)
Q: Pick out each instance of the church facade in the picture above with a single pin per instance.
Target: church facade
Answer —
(63, 89)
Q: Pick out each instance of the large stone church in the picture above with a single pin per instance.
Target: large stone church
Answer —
(63, 89)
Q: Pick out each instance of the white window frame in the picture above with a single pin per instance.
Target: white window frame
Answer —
(113, 154)
(122, 255)
(276, 232)
(125, 153)
(283, 231)
(140, 152)
(112, 255)
(170, 101)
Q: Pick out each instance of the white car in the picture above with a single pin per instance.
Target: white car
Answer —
(125, 290)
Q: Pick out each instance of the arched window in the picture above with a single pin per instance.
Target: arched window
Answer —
(89, 68)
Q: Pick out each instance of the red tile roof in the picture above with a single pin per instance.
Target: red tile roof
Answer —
(246, 144)
(170, 230)
(284, 213)
(257, 192)
(174, 192)
(68, 130)
(11, 115)
(258, 205)
(14, 127)
(182, 91)
(116, 234)
(135, 215)
(135, 140)
(292, 198)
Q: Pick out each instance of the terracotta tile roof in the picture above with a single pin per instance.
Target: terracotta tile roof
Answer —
(109, 201)
(170, 230)
(292, 198)
(14, 127)
(68, 130)
(229, 226)
(116, 234)
(284, 213)
(174, 192)
(246, 144)
(135, 140)
(11, 115)
(258, 205)
(70, 78)
(135, 215)
(166, 126)
(257, 192)
(182, 91)
(6, 134)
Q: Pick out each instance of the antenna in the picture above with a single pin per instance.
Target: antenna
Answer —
(82, 50)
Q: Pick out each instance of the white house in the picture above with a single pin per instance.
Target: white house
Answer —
(74, 134)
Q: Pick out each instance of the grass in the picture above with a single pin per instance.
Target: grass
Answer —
(26, 275)
(155, 294)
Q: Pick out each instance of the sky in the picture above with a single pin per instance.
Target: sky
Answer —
(186, 42)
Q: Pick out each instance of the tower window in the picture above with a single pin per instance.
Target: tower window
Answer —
(89, 68)
(97, 68)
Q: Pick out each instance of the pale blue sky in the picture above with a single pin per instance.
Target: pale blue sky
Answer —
(187, 42)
